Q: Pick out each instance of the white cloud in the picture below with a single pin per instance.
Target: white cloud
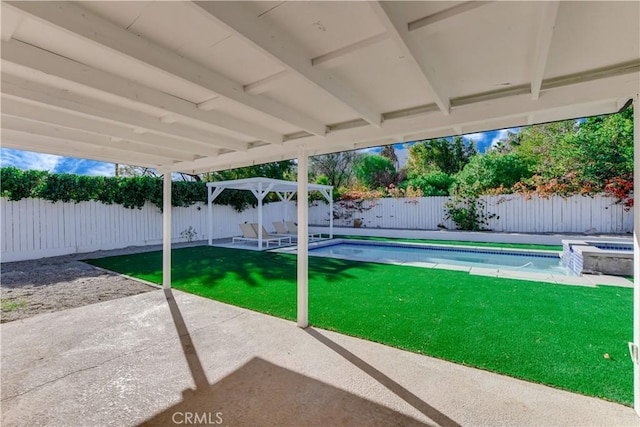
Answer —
(370, 150)
(102, 169)
(28, 160)
(502, 134)
(477, 137)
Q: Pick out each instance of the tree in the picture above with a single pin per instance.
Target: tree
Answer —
(337, 167)
(390, 153)
(129, 171)
(544, 147)
(490, 171)
(375, 171)
(604, 146)
(434, 184)
(443, 154)
(578, 154)
(277, 170)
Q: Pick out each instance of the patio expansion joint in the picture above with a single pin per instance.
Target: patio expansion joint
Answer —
(208, 325)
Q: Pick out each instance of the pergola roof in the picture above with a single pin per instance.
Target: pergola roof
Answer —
(202, 86)
(275, 185)
(260, 187)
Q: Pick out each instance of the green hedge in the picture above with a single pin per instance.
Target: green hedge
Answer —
(131, 192)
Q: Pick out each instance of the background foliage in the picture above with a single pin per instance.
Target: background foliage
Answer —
(131, 192)
(582, 156)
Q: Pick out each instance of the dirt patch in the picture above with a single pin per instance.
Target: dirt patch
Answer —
(52, 284)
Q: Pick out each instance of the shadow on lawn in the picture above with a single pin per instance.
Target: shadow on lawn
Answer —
(210, 265)
(251, 267)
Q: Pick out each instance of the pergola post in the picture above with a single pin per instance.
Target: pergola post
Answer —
(212, 193)
(210, 214)
(259, 196)
(166, 231)
(303, 240)
(636, 257)
(331, 213)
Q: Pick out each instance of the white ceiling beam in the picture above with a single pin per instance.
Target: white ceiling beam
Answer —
(43, 144)
(11, 21)
(392, 18)
(263, 85)
(446, 14)
(42, 114)
(546, 26)
(210, 104)
(241, 21)
(331, 58)
(576, 100)
(31, 57)
(531, 119)
(47, 130)
(103, 34)
(86, 107)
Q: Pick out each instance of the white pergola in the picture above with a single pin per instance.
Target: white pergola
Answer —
(260, 187)
(204, 86)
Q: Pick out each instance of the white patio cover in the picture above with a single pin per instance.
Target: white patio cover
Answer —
(205, 86)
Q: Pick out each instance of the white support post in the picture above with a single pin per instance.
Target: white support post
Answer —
(331, 213)
(212, 194)
(259, 196)
(166, 231)
(636, 256)
(303, 238)
(210, 214)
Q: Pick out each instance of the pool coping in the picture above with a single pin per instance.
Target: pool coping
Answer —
(584, 280)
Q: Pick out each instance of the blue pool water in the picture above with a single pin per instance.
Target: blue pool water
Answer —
(503, 260)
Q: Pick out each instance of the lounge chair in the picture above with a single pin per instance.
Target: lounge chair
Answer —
(280, 228)
(267, 236)
(249, 235)
(293, 229)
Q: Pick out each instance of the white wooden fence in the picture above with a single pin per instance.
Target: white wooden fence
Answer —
(34, 228)
(514, 214)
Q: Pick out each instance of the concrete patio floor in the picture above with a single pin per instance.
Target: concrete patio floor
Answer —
(166, 358)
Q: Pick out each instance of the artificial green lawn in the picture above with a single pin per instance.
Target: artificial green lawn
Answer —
(551, 334)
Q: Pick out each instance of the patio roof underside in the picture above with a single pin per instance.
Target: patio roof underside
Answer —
(196, 87)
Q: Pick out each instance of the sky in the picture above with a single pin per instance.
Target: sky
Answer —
(58, 164)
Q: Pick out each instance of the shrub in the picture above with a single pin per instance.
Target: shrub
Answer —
(131, 192)
(468, 213)
(433, 184)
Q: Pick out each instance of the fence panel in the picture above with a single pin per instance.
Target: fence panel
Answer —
(513, 213)
(34, 228)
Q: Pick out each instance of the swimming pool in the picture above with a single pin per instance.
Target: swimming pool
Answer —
(524, 261)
